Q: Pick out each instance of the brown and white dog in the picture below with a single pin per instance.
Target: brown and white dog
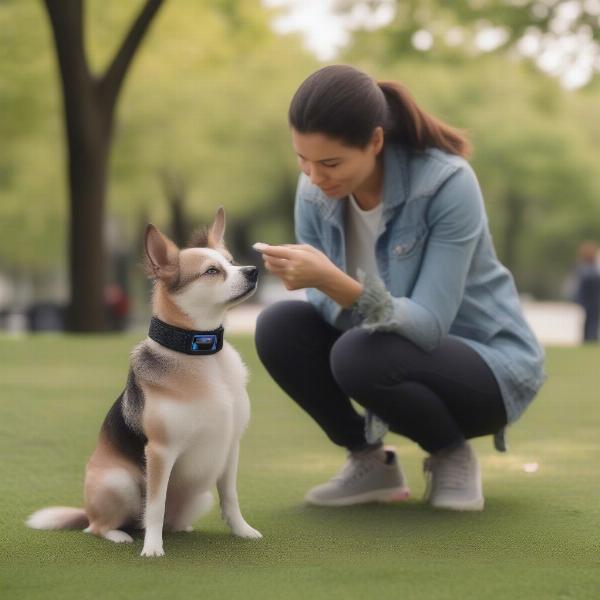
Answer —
(175, 430)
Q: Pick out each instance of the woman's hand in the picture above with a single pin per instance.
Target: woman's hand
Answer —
(303, 266)
(298, 265)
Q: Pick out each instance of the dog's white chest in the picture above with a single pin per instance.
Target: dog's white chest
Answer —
(185, 420)
(205, 398)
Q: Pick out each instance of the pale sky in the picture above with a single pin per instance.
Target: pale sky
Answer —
(324, 32)
(572, 58)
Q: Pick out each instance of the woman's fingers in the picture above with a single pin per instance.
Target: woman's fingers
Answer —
(297, 265)
(275, 251)
(276, 262)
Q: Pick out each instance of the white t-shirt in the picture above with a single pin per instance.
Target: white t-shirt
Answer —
(361, 232)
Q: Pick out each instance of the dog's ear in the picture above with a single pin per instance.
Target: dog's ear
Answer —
(162, 255)
(216, 232)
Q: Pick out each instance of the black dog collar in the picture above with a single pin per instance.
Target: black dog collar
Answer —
(199, 343)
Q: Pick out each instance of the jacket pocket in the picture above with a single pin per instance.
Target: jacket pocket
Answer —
(406, 243)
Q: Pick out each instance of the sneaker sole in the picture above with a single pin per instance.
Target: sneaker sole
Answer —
(471, 505)
(390, 495)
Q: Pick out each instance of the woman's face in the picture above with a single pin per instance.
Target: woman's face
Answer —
(334, 167)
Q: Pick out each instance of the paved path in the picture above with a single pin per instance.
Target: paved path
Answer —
(554, 323)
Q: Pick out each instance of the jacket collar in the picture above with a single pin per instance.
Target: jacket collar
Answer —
(395, 186)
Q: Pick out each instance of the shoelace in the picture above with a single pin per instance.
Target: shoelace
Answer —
(354, 468)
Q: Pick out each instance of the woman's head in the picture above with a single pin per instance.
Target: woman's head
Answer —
(351, 109)
(340, 102)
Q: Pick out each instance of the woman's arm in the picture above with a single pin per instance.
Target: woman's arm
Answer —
(308, 225)
(456, 218)
(342, 289)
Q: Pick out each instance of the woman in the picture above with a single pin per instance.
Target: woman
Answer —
(411, 314)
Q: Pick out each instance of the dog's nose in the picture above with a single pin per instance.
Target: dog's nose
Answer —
(251, 273)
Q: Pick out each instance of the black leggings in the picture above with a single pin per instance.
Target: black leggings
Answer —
(437, 399)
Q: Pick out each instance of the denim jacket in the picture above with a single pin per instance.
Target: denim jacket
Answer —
(438, 271)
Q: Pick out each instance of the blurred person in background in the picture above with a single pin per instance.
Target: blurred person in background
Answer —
(587, 290)
(116, 303)
(410, 312)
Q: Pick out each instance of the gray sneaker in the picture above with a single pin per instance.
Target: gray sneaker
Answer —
(454, 479)
(363, 478)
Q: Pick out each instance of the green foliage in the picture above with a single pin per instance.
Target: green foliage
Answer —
(32, 171)
(455, 25)
(206, 99)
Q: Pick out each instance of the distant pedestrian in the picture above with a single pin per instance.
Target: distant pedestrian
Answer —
(587, 295)
(116, 303)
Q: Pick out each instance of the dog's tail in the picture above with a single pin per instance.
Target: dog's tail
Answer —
(58, 517)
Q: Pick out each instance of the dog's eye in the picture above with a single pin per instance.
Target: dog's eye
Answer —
(212, 271)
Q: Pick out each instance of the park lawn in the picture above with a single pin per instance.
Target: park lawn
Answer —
(539, 536)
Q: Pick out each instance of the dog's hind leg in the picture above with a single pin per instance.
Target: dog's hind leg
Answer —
(113, 499)
(113, 535)
(230, 508)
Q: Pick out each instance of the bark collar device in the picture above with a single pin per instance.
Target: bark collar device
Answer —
(187, 341)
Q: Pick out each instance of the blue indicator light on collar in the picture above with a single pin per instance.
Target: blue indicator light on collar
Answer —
(204, 342)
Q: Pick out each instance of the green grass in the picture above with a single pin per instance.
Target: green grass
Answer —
(539, 536)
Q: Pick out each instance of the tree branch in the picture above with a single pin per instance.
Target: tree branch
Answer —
(110, 83)
(66, 19)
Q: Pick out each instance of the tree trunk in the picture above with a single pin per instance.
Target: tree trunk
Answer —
(89, 106)
(87, 176)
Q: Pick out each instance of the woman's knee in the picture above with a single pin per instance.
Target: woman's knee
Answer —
(278, 327)
(272, 323)
(362, 359)
(353, 363)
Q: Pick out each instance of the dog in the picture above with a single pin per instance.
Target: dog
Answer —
(174, 432)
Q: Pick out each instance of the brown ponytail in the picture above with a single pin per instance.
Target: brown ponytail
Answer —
(346, 104)
(412, 126)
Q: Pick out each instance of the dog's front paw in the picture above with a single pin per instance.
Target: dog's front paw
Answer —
(152, 550)
(245, 531)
